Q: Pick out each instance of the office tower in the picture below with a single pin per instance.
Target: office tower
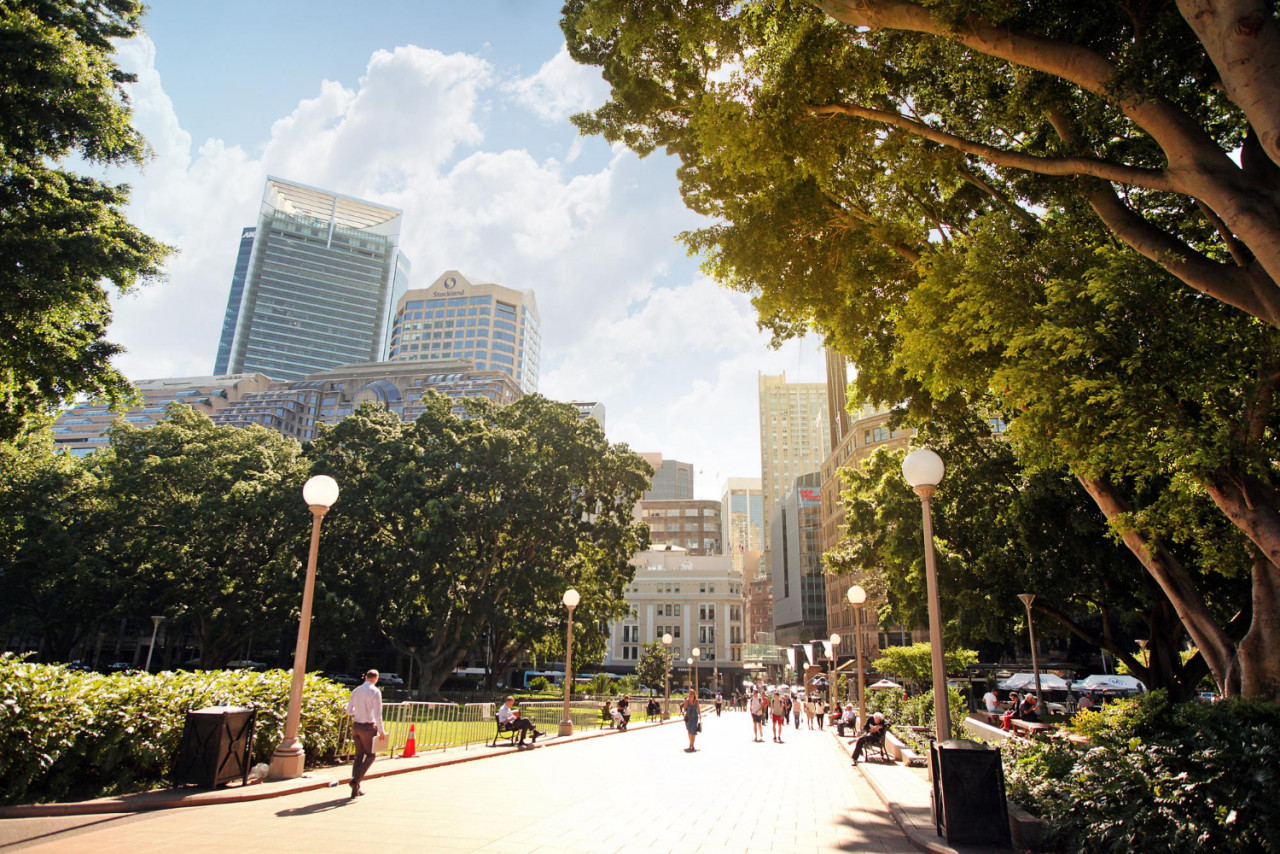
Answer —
(82, 429)
(322, 275)
(233, 301)
(795, 554)
(495, 327)
(692, 524)
(795, 436)
(742, 515)
(672, 479)
(295, 407)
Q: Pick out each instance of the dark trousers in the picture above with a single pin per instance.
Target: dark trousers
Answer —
(363, 735)
(521, 725)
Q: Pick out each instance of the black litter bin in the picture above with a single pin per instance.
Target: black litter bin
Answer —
(216, 745)
(969, 803)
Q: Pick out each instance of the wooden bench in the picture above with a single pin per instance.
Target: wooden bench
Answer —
(1031, 729)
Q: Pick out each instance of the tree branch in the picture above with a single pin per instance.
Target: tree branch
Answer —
(1151, 179)
(1239, 253)
(1232, 285)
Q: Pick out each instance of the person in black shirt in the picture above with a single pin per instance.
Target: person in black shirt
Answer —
(873, 732)
(1028, 710)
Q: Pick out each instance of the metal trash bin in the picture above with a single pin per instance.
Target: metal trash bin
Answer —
(969, 804)
(216, 745)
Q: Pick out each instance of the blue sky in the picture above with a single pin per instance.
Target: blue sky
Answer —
(456, 113)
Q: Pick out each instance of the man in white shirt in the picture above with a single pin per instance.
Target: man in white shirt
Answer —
(509, 718)
(992, 702)
(365, 706)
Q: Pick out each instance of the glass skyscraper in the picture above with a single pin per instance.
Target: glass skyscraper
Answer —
(321, 277)
(233, 301)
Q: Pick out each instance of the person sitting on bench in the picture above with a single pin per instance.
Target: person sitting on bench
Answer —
(873, 732)
(509, 719)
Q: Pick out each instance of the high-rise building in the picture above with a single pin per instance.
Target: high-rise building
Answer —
(590, 409)
(322, 275)
(742, 519)
(672, 479)
(795, 436)
(799, 587)
(82, 429)
(692, 524)
(233, 301)
(495, 327)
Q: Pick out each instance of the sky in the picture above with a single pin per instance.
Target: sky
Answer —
(458, 114)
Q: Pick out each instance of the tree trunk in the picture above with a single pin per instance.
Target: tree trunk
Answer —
(1216, 646)
(1260, 647)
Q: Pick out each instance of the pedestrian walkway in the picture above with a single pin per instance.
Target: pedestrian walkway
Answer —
(630, 792)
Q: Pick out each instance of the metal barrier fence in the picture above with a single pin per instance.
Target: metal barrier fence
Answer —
(440, 726)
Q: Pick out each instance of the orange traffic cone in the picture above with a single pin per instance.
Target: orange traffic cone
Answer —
(410, 746)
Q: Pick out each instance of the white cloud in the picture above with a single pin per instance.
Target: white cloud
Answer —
(625, 319)
(560, 88)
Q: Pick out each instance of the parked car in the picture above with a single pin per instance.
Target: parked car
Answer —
(342, 678)
(390, 680)
(122, 667)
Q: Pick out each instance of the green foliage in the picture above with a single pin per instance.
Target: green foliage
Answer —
(917, 709)
(62, 235)
(1157, 776)
(66, 734)
(915, 663)
(209, 523)
(539, 685)
(602, 685)
(652, 666)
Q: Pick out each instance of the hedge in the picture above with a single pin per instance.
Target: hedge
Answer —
(1157, 776)
(68, 734)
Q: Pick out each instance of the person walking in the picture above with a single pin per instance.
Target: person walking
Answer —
(809, 710)
(692, 719)
(719, 702)
(365, 706)
(777, 715)
(756, 706)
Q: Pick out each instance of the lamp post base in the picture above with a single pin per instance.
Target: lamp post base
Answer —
(566, 728)
(287, 761)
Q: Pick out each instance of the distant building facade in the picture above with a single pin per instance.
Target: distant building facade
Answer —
(495, 327)
(322, 274)
(295, 408)
(672, 479)
(742, 518)
(82, 429)
(693, 525)
(695, 599)
(795, 436)
(589, 409)
(799, 587)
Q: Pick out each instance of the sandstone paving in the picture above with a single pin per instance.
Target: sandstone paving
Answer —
(631, 792)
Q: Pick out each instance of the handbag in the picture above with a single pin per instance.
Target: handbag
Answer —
(381, 742)
(699, 726)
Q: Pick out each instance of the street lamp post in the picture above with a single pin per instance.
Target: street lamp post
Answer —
(1027, 599)
(155, 627)
(570, 599)
(923, 470)
(696, 653)
(832, 695)
(319, 493)
(857, 598)
(666, 678)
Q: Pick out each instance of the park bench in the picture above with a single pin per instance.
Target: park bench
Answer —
(1031, 729)
(509, 733)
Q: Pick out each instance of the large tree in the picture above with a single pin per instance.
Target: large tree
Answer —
(63, 236)
(458, 528)
(941, 272)
(56, 578)
(209, 523)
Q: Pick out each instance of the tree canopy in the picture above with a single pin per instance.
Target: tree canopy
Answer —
(63, 235)
(996, 203)
(455, 526)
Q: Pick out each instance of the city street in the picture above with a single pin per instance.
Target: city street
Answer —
(636, 791)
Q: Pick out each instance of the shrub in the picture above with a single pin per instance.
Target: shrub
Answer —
(1158, 777)
(539, 685)
(70, 734)
(917, 710)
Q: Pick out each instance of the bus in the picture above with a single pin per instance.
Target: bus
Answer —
(555, 677)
